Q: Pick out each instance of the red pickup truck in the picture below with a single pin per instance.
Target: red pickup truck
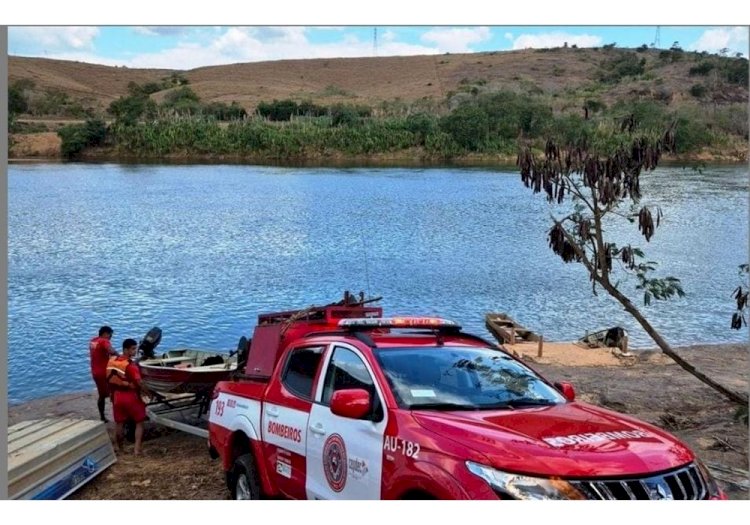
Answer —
(338, 402)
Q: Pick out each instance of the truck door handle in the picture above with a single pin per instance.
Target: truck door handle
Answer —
(272, 412)
(317, 428)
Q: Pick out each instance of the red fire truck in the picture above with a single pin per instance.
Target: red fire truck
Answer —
(338, 402)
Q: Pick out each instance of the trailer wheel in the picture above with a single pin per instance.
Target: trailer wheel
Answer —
(245, 483)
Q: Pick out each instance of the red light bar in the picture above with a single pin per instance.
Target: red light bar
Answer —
(398, 322)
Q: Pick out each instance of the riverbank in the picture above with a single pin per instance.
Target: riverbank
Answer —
(46, 146)
(654, 389)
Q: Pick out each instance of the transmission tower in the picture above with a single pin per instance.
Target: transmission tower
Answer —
(657, 38)
(375, 41)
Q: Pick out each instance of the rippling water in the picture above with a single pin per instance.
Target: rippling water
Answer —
(201, 250)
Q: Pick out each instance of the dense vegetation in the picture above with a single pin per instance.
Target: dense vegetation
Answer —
(486, 124)
(168, 117)
(77, 137)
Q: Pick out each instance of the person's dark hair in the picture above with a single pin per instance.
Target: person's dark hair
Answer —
(105, 330)
(127, 343)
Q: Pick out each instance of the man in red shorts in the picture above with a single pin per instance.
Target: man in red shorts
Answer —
(101, 350)
(124, 380)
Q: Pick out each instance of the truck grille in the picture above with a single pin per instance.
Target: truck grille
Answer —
(681, 484)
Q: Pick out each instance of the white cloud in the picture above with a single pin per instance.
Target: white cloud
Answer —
(254, 44)
(555, 40)
(457, 40)
(389, 36)
(53, 39)
(160, 30)
(509, 36)
(712, 40)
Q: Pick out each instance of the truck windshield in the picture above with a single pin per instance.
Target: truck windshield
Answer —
(459, 378)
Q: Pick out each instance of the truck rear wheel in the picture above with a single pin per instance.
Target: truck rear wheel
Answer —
(245, 483)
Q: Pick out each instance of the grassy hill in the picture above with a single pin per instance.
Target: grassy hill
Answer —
(608, 81)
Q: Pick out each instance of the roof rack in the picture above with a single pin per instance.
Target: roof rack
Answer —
(436, 326)
(373, 323)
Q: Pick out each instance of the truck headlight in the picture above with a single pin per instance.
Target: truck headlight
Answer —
(517, 486)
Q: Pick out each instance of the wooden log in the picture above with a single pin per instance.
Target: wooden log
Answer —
(539, 349)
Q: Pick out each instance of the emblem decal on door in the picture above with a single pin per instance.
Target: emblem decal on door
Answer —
(334, 462)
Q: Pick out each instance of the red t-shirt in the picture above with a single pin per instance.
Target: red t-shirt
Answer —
(100, 350)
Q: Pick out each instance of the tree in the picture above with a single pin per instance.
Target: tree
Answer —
(77, 137)
(468, 125)
(599, 174)
(183, 101)
(128, 110)
(741, 296)
(17, 104)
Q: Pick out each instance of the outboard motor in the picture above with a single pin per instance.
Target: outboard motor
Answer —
(149, 343)
(243, 347)
(615, 337)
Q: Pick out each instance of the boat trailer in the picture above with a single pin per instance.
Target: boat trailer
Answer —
(183, 412)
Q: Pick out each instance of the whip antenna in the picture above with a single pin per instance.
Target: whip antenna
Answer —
(367, 270)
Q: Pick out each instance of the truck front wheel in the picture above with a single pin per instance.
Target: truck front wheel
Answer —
(245, 482)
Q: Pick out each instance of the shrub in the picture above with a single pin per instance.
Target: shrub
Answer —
(647, 113)
(75, 138)
(692, 134)
(625, 65)
(671, 55)
(128, 110)
(175, 79)
(468, 126)
(309, 109)
(222, 111)
(343, 115)
(595, 105)
(421, 125)
(278, 110)
(511, 113)
(182, 101)
(572, 130)
(17, 102)
(698, 90)
(735, 71)
(702, 69)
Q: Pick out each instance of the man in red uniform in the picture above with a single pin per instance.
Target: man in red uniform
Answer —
(101, 350)
(124, 380)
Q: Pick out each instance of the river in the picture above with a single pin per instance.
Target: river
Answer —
(200, 250)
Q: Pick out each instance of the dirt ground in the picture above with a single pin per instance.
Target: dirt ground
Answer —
(373, 80)
(177, 466)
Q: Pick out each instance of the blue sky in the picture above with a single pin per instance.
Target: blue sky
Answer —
(179, 47)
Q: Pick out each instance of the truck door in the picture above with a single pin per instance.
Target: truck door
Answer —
(344, 456)
(286, 410)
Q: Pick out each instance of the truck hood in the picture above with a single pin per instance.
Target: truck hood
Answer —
(566, 440)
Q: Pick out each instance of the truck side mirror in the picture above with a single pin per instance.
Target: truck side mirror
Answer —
(567, 390)
(353, 403)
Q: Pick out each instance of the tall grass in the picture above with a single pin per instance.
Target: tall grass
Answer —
(485, 124)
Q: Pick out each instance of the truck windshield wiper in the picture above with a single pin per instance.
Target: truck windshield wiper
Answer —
(530, 402)
(517, 403)
(444, 406)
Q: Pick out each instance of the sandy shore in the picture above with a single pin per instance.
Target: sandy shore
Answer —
(653, 388)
